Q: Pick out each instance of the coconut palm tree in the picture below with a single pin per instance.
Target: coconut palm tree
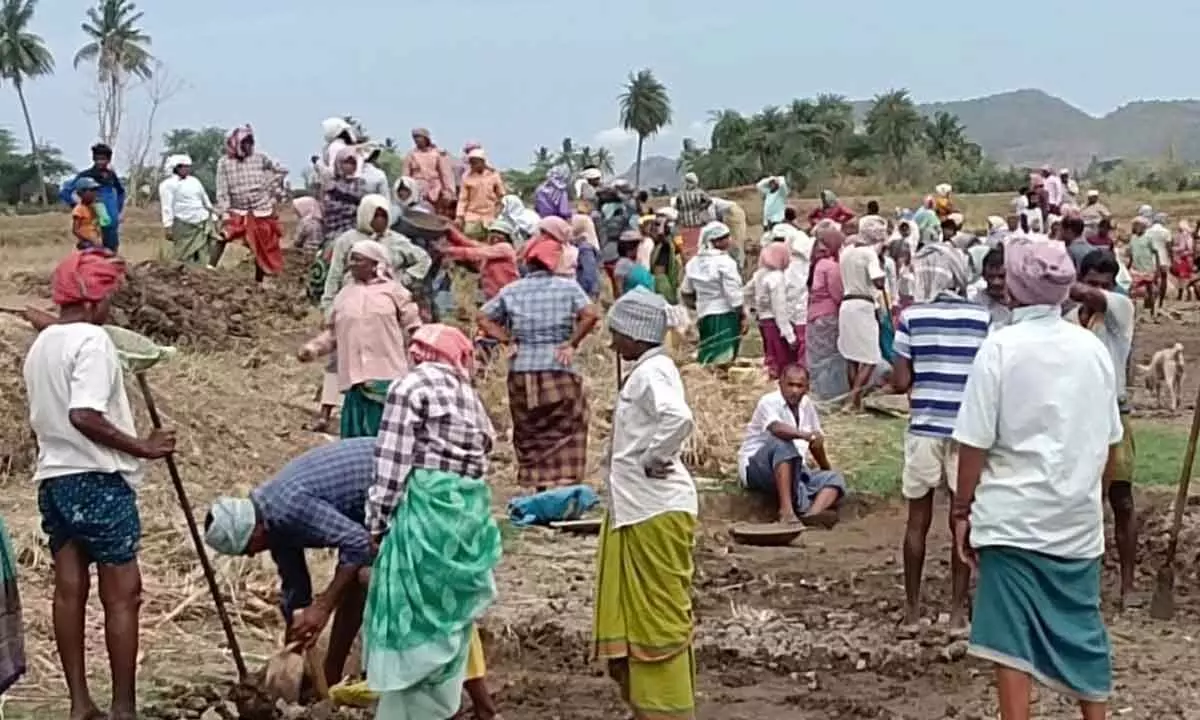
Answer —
(645, 109)
(23, 55)
(120, 50)
(944, 134)
(604, 161)
(895, 125)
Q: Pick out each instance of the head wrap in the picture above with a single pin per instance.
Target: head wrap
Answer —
(334, 126)
(471, 145)
(639, 314)
(568, 263)
(939, 268)
(346, 153)
(558, 177)
(583, 229)
(1093, 193)
(873, 229)
(828, 198)
(829, 239)
(233, 521)
(86, 183)
(503, 227)
(477, 154)
(622, 185)
(544, 249)
(667, 212)
(691, 181)
(591, 174)
(86, 276)
(374, 250)
(307, 207)
(995, 222)
(944, 189)
(1160, 218)
(233, 142)
(1064, 171)
(1038, 273)
(1145, 211)
(556, 228)
(414, 191)
(775, 256)
(443, 344)
(712, 232)
(175, 161)
(422, 132)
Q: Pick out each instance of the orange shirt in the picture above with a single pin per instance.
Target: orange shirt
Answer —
(84, 223)
(479, 199)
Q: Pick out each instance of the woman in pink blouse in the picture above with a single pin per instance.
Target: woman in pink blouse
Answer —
(432, 167)
(826, 367)
(367, 327)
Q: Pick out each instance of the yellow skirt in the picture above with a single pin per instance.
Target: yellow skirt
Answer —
(643, 612)
(476, 667)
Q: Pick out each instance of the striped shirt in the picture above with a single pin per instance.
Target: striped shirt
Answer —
(940, 338)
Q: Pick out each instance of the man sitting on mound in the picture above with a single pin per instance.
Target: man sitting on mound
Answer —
(782, 432)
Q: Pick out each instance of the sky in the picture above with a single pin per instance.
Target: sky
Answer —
(517, 74)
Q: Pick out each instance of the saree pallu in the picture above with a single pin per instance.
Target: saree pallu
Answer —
(362, 409)
(720, 338)
(319, 270)
(826, 366)
(550, 427)
(643, 612)
(193, 243)
(262, 235)
(12, 631)
(430, 581)
(1040, 615)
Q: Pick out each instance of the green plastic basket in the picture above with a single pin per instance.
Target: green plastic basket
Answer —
(138, 352)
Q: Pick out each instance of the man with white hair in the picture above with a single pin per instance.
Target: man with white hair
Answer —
(317, 500)
(188, 217)
(587, 186)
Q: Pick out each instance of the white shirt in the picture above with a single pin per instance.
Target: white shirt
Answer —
(183, 199)
(714, 278)
(860, 269)
(1046, 420)
(651, 423)
(375, 180)
(774, 299)
(75, 366)
(1055, 193)
(773, 408)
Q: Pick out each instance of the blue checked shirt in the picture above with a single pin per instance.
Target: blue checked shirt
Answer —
(539, 311)
(317, 501)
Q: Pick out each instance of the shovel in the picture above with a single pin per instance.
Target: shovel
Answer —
(1162, 605)
(139, 354)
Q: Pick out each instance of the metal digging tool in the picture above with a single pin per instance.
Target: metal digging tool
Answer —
(1162, 605)
(139, 354)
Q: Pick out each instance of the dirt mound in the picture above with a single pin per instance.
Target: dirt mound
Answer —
(17, 446)
(200, 309)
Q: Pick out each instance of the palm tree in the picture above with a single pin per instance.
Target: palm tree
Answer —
(604, 161)
(945, 135)
(23, 55)
(567, 156)
(895, 125)
(542, 158)
(119, 48)
(645, 109)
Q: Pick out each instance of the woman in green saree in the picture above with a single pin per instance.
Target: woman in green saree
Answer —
(429, 513)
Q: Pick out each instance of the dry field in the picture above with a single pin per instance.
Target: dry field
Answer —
(802, 632)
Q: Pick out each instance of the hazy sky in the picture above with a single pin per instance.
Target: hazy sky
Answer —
(516, 74)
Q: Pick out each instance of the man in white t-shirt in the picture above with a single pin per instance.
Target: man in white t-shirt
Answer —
(784, 429)
(87, 467)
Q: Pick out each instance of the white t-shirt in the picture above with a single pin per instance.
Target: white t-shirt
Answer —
(75, 366)
(773, 408)
(1046, 421)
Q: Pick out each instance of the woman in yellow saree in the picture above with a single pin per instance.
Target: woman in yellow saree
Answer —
(643, 614)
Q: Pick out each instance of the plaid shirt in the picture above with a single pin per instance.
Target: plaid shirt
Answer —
(316, 501)
(434, 420)
(938, 266)
(252, 185)
(539, 310)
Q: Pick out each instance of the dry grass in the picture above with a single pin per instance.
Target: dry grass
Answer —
(239, 414)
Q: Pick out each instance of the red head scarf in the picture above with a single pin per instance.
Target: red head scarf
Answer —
(86, 276)
(443, 344)
(233, 143)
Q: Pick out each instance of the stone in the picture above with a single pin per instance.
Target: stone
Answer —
(211, 714)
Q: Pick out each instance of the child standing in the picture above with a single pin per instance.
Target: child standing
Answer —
(89, 216)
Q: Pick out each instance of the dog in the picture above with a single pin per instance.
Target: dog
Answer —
(1164, 375)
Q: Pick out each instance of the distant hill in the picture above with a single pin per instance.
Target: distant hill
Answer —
(1031, 127)
(656, 170)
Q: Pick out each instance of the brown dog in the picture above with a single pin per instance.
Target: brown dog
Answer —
(1164, 375)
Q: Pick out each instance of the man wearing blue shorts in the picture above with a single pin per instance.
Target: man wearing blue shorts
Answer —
(89, 462)
(783, 431)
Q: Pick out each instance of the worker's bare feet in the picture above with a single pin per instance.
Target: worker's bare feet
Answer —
(960, 623)
(825, 519)
(319, 424)
(912, 617)
(788, 519)
(88, 712)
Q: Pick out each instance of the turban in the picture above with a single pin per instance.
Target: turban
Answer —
(375, 251)
(775, 256)
(545, 250)
(175, 161)
(873, 229)
(713, 231)
(1038, 273)
(556, 228)
(639, 314)
(86, 276)
(443, 344)
(591, 174)
(233, 521)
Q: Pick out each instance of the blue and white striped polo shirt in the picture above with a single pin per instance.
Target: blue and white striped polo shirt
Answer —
(941, 339)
